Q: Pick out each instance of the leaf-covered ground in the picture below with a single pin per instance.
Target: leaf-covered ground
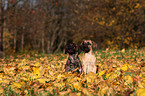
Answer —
(119, 73)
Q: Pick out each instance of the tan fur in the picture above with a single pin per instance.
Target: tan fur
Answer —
(89, 60)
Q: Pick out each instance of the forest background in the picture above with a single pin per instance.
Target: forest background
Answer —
(46, 25)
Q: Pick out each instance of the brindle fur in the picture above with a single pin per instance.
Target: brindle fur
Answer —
(73, 63)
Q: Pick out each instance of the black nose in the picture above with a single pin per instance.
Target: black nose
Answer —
(88, 43)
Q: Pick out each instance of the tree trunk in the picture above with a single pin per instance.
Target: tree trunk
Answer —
(48, 47)
(61, 42)
(1, 29)
(22, 40)
(42, 41)
(15, 39)
(15, 31)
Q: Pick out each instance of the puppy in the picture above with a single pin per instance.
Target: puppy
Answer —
(73, 63)
(88, 59)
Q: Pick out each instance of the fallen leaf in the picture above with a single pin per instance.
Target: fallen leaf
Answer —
(1, 90)
(101, 73)
(140, 92)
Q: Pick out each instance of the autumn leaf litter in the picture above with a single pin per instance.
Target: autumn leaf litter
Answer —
(119, 73)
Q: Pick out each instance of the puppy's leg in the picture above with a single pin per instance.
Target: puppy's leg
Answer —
(91, 68)
(84, 68)
(80, 66)
(67, 67)
(88, 68)
(94, 69)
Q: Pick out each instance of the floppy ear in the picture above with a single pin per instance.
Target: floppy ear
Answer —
(66, 49)
(94, 45)
(82, 42)
(66, 52)
(81, 46)
(78, 50)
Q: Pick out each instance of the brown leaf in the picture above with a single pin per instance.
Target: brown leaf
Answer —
(65, 92)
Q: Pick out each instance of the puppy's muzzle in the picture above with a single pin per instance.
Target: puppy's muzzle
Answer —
(85, 48)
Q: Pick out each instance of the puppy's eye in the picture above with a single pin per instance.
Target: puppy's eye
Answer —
(83, 43)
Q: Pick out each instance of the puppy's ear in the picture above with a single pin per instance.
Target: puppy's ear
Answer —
(82, 42)
(81, 46)
(66, 50)
(94, 45)
(78, 50)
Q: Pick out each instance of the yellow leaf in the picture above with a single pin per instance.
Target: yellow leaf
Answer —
(103, 91)
(123, 50)
(115, 74)
(59, 85)
(141, 84)
(137, 5)
(48, 67)
(89, 80)
(111, 22)
(60, 76)
(51, 72)
(23, 78)
(118, 69)
(36, 71)
(78, 94)
(140, 75)
(26, 92)
(52, 66)
(140, 92)
(86, 92)
(18, 85)
(37, 64)
(4, 81)
(24, 62)
(25, 67)
(128, 80)
(124, 67)
(43, 80)
(77, 85)
(108, 75)
(101, 73)
(34, 76)
(10, 71)
(143, 80)
(90, 77)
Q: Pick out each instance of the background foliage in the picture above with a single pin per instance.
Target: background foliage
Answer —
(47, 25)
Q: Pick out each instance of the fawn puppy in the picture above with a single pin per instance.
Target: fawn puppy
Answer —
(88, 58)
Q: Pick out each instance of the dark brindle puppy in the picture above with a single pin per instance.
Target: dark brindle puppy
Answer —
(73, 63)
(88, 59)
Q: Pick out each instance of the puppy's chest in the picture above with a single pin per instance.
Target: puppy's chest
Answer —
(89, 58)
(73, 60)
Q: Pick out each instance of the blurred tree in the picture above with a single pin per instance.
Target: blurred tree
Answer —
(122, 20)
(46, 25)
(1, 28)
(5, 6)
